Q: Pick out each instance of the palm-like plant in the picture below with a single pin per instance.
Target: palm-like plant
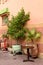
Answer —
(33, 35)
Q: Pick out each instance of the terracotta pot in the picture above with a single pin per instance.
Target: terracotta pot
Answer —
(40, 47)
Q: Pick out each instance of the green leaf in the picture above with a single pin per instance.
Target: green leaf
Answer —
(38, 35)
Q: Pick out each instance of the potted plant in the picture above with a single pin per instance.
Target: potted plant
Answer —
(33, 35)
(16, 28)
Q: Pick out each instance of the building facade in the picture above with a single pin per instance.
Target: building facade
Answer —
(36, 15)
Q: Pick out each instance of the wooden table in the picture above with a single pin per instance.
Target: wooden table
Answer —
(27, 47)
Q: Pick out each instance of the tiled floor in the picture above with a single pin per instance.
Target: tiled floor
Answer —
(8, 59)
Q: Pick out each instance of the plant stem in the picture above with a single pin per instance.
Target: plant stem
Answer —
(32, 41)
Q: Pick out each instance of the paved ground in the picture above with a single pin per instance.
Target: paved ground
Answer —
(8, 59)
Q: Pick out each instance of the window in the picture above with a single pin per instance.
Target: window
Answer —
(4, 14)
(4, 20)
(3, 1)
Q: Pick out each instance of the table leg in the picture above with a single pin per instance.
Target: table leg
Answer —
(28, 54)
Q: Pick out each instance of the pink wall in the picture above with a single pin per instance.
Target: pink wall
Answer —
(35, 7)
